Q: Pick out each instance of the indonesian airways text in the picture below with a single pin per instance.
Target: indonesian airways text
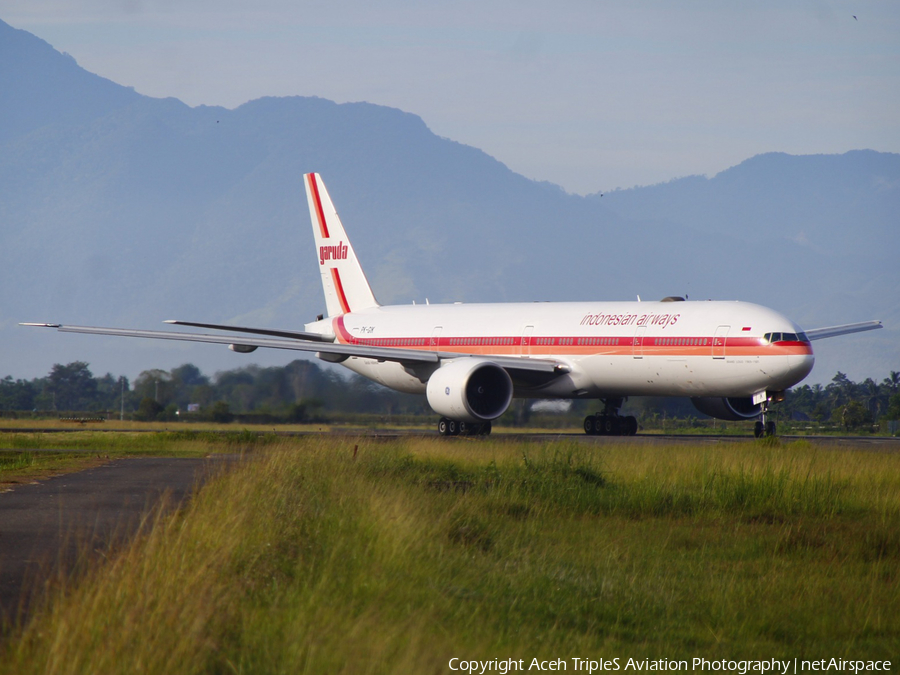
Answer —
(660, 320)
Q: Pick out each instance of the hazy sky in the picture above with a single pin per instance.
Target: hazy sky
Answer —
(590, 95)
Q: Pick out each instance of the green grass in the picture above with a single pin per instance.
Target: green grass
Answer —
(326, 555)
(138, 442)
(73, 451)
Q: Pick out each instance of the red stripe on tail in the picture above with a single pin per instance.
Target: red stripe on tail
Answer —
(320, 214)
(336, 277)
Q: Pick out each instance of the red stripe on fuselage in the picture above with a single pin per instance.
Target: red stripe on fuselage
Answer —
(320, 214)
(340, 330)
(583, 346)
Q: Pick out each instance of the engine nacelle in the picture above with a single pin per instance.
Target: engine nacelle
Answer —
(470, 390)
(731, 409)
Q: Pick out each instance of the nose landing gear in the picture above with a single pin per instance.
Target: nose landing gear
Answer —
(765, 428)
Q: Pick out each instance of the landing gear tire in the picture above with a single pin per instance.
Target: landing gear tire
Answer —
(610, 425)
(630, 426)
(767, 430)
(448, 427)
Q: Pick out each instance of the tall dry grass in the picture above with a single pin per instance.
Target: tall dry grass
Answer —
(322, 555)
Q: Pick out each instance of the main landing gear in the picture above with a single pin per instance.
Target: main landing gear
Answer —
(610, 422)
(448, 427)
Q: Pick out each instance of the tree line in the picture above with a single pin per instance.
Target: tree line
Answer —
(297, 392)
(303, 391)
(844, 402)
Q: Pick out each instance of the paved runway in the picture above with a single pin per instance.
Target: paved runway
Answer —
(44, 525)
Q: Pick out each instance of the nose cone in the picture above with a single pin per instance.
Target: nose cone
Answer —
(799, 366)
(791, 369)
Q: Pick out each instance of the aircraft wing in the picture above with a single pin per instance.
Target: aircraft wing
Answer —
(833, 331)
(397, 354)
(294, 335)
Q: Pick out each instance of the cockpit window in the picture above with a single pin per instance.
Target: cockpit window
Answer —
(772, 338)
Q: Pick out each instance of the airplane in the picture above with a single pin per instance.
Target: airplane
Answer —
(732, 359)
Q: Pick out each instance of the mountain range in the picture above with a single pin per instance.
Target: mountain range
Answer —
(124, 210)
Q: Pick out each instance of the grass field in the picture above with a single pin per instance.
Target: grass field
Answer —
(20, 462)
(325, 555)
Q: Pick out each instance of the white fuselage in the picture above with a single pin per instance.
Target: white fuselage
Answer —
(692, 349)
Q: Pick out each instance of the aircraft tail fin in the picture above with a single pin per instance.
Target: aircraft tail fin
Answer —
(345, 284)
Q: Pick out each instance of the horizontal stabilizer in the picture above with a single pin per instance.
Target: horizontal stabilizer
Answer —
(833, 331)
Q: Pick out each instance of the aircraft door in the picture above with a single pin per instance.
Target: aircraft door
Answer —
(637, 344)
(436, 338)
(526, 340)
(718, 345)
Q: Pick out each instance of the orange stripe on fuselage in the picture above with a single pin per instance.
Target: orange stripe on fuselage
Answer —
(569, 346)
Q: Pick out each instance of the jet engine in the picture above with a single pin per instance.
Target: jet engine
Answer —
(470, 390)
(731, 409)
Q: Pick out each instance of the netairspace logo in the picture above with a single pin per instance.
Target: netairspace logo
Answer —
(738, 667)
